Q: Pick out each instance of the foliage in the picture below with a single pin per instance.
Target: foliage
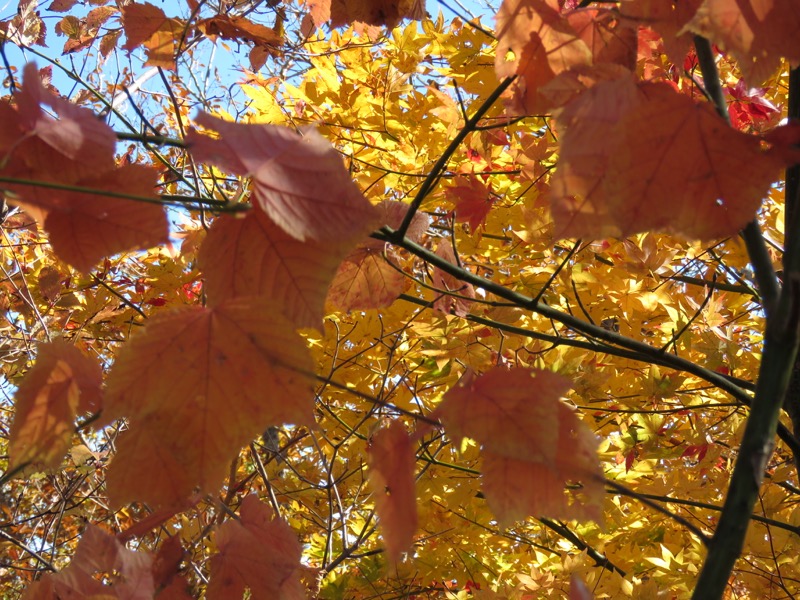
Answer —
(417, 307)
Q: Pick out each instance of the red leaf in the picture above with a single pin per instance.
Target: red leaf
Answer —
(473, 200)
(61, 384)
(533, 444)
(257, 552)
(299, 182)
(391, 477)
(76, 150)
(147, 25)
(196, 385)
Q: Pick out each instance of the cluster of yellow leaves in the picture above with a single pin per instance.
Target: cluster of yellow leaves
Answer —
(193, 383)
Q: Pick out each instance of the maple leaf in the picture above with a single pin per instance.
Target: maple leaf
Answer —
(61, 384)
(127, 573)
(610, 39)
(473, 200)
(371, 12)
(299, 181)
(147, 25)
(258, 552)
(632, 185)
(253, 256)
(196, 385)
(77, 150)
(444, 281)
(533, 444)
(391, 477)
(757, 33)
(667, 18)
(367, 278)
(535, 42)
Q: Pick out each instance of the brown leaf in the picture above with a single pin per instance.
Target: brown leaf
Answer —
(371, 12)
(196, 385)
(61, 384)
(391, 477)
(258, 552)
(299, 182)
(99, 557)
(444, 281)
(239, 28)
(147, 25)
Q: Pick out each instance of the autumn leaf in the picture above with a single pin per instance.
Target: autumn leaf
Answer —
(196, 385)
(239, 28)
(367, 278)
(536, 43)
(147, 25)
(391, 476)
(472, 198)
(457, 304)
(299, 181)
(667, 18)
(257, 552)
(86, 227)
(609, 38)
(533, 444)
(101, 568)
(670, 165)
(76, 151)
(371, 12)
(253, 256)
(62, 384)
(757, 33)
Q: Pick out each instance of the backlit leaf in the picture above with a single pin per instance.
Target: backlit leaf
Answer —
(758, 33)
(257, 552)
(724, 174)
(61, 384)
(253, 256)
(533, 444)
(391, 461)
(299, 182)
(366, 279)
(196, 385)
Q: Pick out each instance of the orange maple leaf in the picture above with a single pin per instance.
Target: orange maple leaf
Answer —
(147, 25)
(258, 552)
(253, 256)
(128, 574)
(61, 384)
(536, 43)
(196, 385)
(473, 200)
(758, 33)
(533, 444)
(664, 163)
(300, 182)
(367, 279)
(391, 477)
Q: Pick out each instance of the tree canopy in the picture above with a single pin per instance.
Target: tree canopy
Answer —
(373, 299)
